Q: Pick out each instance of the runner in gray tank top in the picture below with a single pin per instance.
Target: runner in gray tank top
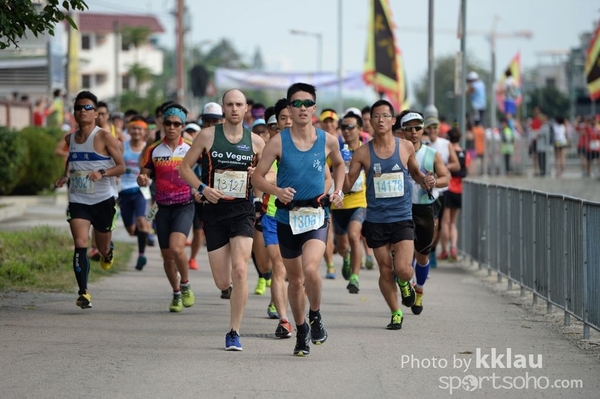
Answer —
(388, 226)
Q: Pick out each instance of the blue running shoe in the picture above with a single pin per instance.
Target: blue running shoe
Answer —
(232, 341)
(141, 262)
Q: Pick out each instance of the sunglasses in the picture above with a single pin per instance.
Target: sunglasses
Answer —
(87, 107)
(300, 103)
(273, 126)
(348, 127)
(172, 123)
(415, 128)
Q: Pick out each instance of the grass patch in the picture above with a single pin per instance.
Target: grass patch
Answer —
(41, 259)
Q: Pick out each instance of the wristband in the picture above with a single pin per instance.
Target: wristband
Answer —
(339, 193)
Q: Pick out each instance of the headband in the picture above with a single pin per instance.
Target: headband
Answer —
(174, 111)
(411, 116)
(141, 124)
(329, 114)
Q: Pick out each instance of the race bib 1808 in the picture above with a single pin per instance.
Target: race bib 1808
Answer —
(231, 183)
(79, 182)
(306, 219)
(389, 185)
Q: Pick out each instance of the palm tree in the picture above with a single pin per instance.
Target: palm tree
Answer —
(140, 74)
(137, 36)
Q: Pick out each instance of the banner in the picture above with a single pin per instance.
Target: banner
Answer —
(592, 65)
(260, 80)
(383, 67)
(515, 70)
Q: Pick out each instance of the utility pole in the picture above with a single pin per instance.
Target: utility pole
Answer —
(179, 51)
(430, 109)
(340, 99)
(463, 74)
(117, 75)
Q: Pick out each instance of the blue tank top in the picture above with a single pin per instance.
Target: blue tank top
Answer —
(132, 170)
(383, 178)
(304, 171)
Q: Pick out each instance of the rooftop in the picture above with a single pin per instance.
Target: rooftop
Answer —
(98, 22)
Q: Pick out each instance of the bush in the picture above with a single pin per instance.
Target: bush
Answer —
(42, 166)
(12, 160)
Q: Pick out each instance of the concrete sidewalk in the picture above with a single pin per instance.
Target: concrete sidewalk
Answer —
(130, 346)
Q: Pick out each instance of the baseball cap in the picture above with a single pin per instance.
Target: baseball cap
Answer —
(258, 122)
(192, 126)
(212, 111)
(431, 120)
(329, 114)
(472, 75)
(353, 110)
(272, 119)
(411, 116)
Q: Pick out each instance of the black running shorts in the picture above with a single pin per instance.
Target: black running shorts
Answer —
(291, 245)
(173, 219)
(452, 200)
(380, 234)
(225, 220)
(102, 215)
(424, 227)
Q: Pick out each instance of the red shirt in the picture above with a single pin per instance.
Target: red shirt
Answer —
(455, 185)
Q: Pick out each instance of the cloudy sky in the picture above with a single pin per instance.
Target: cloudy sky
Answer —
(266, 24)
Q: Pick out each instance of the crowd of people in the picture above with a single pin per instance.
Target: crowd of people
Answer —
(283, 185)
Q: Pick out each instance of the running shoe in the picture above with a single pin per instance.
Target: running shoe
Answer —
(318, 333)
(94, 255)
(269, 282)
(330, 273)
(141, 262)
(226, 294)
(302, 347)
(151, 241)
(432, 260)
(443, 255)
(408, 294)
(232, 341)
(261, 286)
(369, 262)
(193, 265)
(284, 329)
(346, 268)
(453, 253)
(353, 284)
(417, 308)
(176, 305)
(396, 323)
(187, 296)
(272, 311)
(84, 301)
(106, 263)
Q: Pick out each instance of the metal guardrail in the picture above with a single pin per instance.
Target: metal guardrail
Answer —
(548, 244)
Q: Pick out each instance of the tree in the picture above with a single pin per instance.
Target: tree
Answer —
(135, 36)
(140, 74)
(257, 60)
(445, 100)
(550, 100)
(19, 17)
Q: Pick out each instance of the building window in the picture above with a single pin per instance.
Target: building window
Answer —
(125, 82)
(86, 81)
(101, 79)
(124, 46)
(86, 42)
(550, 82)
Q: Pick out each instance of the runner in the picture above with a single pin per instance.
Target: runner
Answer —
(94, 160)
(174, 201)
(229, 153)
(388, 225)
(302, 217)
(430, 163)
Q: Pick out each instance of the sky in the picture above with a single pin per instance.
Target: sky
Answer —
(555, 25)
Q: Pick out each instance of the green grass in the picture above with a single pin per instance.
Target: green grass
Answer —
(41, 259)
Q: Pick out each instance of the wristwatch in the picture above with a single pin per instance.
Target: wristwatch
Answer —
(201, 188)
(339, 193)
(102, 172)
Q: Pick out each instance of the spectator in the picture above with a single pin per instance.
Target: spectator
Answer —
(560, 145)
(476, 92)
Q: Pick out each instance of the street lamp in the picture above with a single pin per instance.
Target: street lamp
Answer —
(319, 37)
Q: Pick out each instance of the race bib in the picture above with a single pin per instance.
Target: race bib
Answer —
(358, 184)
(79, 183)
(306, 219)
(231, 183)
(594, 145)
(389, 185)
(146, 192)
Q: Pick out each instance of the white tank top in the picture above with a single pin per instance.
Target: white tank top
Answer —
(441, 146)
(83, 159)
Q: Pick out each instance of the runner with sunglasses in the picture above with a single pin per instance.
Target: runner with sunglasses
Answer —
(302, 215)
(388, 225)
(174, 200)
(229, 153)
(431, 163)
(94, 161)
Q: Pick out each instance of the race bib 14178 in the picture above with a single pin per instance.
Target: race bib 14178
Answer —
(389, 185)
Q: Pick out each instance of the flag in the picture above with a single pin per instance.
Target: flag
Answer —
(592, 65)
(515, 69)
(383, 67)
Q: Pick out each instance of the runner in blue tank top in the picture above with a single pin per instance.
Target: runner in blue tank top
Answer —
(302, 222)
(388, 226)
